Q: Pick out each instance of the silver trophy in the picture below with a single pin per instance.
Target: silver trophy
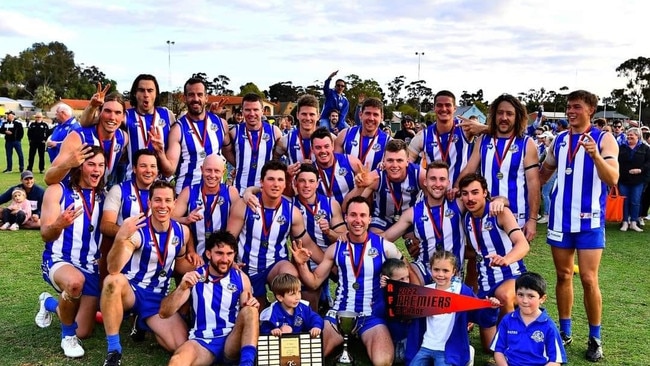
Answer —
(347, 324)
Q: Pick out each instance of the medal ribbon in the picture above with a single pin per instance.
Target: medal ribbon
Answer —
(437, 229)
(109, 160)
(396, 202)
(162, 258)
(249, 136)
(143, 131)
(313, 211)
(266, 229)
(501, 156)
(196, 133)
(328, 184)
(208, 275)
(303, 151)
(444, 154)
(139, 199)
(571, 153)
(475, 230)
(364, 154)
(355, 267)
(208, 218)
(88, 211)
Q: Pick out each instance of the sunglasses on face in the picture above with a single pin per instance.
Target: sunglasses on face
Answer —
(340, 86)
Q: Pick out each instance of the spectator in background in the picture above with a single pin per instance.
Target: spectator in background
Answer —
(645, 198)
(600, 123)
(66, 123)
(407, 132)
(618, 132)
(334, 99)
(13, 131)
(18, 212)
(336, 123)
(37, 134)
(237, 117)
(34, 197)
(634, 165)
(546, 139)
(562, 125)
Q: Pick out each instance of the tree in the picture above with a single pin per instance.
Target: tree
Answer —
(83, 83)
(534, 98)
(637, 71)
(283, 91)
(395, 89)
(418, 93)
(210, 87)
(467, 99)
(221, 83)
(45, 97)
(250, 87)
(356, 87)
(316, 89)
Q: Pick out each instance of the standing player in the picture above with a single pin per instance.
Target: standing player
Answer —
(359, 260)
(197, 134)
(296, 144)
(140, 265)
(253, 144)
(226, 320)
(366, 142)
(69, 228)
(508, 160)
(587, 162)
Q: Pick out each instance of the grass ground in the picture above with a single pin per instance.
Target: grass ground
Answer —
(626, 293)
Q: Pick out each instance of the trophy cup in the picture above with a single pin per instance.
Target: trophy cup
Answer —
(347, 324)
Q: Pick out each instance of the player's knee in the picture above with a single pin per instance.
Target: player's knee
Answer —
(112, 284)
(589, 280)
(564, 274)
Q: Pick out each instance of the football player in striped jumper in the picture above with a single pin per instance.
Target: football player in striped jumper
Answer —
(70, 229)
(147, 122)
(394, 188)
(359, 260)
(586, 160)
(140, 266)
(445, 139)
(263, 231)
(194, 136)
(253, 144)
(225, 314)
(106, 134)
(508, 160)
(367, 141)
(337, 171)
(204, 207)
(500, 247)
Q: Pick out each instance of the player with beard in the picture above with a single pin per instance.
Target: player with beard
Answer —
(337, 171)
(194, 136)
(500, 248)
(140, 265)
(395, 187)
(204, 207)
(263, 231)
(508, 160)
(226, 315)
(106, 134)
(69, 228)
(366, 142)
(147, 124)
(359, 260)
(445, 139)
(253, 144)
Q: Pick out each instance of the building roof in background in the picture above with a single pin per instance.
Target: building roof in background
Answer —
(610, 114)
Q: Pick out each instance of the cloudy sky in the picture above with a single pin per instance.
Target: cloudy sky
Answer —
(501, 46)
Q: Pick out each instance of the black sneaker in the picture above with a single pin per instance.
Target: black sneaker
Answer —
(566, 339)
(113, 358)
(137, 334)
(594, 349)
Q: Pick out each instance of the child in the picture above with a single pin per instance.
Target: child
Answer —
(527, 335)
(288, 314)
(18, 212)
(445, 340)
(396, 270)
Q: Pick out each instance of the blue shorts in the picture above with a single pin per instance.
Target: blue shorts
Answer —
(258, 281)
(91, 280)
(367, 322)
(488, 317)
(592, 239)
(424, 272)
(147, 304)
(216, 346)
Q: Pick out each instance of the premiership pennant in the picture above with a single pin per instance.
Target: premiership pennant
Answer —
(407, 301)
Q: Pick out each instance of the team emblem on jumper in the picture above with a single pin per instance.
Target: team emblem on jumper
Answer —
(488, 226)
(372, 252)
(449, 213)
(354, 143)
(514, 148)
(537, 336)
(175, 241)
(213, 126)
(231, 287)
(343, 171)
(281, 220)
(220, 200)
(161, 122)
(265, 136)
(376, 147)
(117, 148)
(132, 197)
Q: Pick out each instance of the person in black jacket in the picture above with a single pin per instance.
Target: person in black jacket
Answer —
(37, 133)
(13, 131)
(634, 165)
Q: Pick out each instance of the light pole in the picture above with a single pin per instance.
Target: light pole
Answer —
(169, 70)
(419, 54)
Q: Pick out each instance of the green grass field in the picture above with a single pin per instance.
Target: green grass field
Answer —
(626, 293)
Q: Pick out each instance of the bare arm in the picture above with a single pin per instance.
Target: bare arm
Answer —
(172, 302)
(607, 169)
(229, 151)
(108, 226)
(298, 228)
(72, 154)
(315, 278)
(416, 146)
(400, 227)
(340, 138)
(531, 166)
(125, 244)
(181, 206)
(236, 218)
(337, 224)
(169, 160)
(520, 246)
(53, 221)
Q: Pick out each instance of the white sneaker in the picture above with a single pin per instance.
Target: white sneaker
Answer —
(624, 226)
(72, 347)
(647, 217)
(641, 222)
(43, 317)
(543, 220)
(13, 227)
(5, 226)
(634, 227)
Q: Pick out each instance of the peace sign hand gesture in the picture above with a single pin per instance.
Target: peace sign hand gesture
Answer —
(98, 98)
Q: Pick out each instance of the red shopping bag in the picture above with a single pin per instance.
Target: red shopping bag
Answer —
(614, 206)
